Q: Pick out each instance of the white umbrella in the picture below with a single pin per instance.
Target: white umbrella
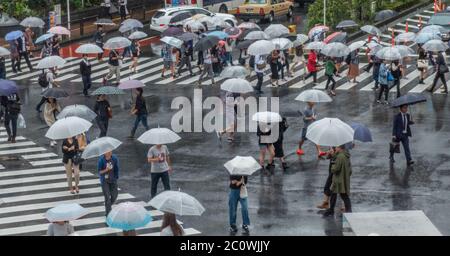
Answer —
(404, 50)
(261, 47)
(276, 30)
(371, 30)
(100, 146)
(389, 53)
(435, 46)
(335, 50)
(257, 35)
(136, 35)
(313, 95)
(159, 136)
(178, 203)
(66, 212)
(67, 127)
(172, 41)
(248, 25)
(219, 22)
(282, 43)
(315, 46)
(89, 49)
(50, 62)
(194, 25)
(330, 132)
(301, 38)
(58, 30)
(266, 117)
(242, 165)
(234, 72)
(405, 37)
(128, 216)
(4, 51)
(117, 43)
(81, 111)
(356, 45)
(133, 23)
(236, 85)
(33, 22)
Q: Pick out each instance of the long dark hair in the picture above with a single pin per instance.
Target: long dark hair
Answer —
(169, 219)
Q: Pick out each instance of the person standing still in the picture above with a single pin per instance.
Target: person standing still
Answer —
(158, 157)
(86, 71)
(235, 197)
(104, 113)
(108, 170)
(401, 132)
(114, 67)
(140, 110)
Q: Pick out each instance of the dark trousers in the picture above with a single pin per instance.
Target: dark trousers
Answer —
(27, 60)
(87, 83)
(2, 73)
(123, 13)
(397, 86)
(333, 82)
(312, 74)
(39, 105)
(110, 192)
(15, 64)
(11, 120)
(369, 67)
(436, 78)
(405, 142)
(139, 118)
(164, 176)
(200, 58)
(384, 88)
(103, 126)
(185, 61)
(345, 198)
(327, 187)
(260, 77)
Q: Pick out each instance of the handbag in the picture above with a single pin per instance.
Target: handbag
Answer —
(394, 147)
(77, 159)
(422, 64)
(443, 68)
(243, 193)
(390, 77)
(109, 113)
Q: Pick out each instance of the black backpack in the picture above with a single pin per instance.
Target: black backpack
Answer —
(42, 80)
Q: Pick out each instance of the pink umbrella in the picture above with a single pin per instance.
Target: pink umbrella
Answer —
(58, 30)
(131, 84)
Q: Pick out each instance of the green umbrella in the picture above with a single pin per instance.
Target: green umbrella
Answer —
(108, 90)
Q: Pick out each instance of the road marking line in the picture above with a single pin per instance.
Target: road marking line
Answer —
(37, 156)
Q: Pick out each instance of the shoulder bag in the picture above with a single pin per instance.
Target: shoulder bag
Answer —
(243, 193)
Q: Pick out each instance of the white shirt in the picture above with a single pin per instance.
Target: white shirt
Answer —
(51, 80)
(258, 61)
(207, 57)
(405, 123)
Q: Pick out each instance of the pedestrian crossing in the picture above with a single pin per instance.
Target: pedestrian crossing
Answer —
(38, 183)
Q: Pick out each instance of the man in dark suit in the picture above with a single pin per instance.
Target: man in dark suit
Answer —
(401, 132)
(441, 69)
(85, 70)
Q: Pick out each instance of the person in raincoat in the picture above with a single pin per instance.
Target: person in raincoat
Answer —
(312, 66)
(341, 170)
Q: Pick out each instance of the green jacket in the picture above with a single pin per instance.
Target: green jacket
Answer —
(342, 170)
(330, 68)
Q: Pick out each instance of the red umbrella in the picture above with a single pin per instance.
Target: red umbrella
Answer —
(336, 37)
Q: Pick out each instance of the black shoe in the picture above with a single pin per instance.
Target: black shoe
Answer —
(284, 166)
(233, 229)
(328, 213)
(429, 90)
(38, 110)
(9, 138)
(391, 159)
(245, 230)
(421, 82)
(375, 88)
(410, 163)
(268, 166)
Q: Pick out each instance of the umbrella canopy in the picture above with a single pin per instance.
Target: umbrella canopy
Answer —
(336, 37)
(133, 23)
(219, 34)
(389, 53)
(172, 41)
(245, 32)
(248, 25)
(159, 136)
(434, 29)
(261, 47)
(66, 212)
(128, 216)
(33, 22)
(335, 50)
(405, 37)
(131, 84)
(244, 44)
(282, 43)
(206, 43)
(108, 90)
(233, 32)
(124, 29)
(236, 85)
(317, 30)
(4, 51)
(55, 93)
(11, 36)
(104, 22)
(435, 46)
(315, 46)
(300, 39)
(81, 111)
(59, 30)
(180, 17)
(188, 36)
(172, 31)
(51, 62)
(218, 21)
(89, 49)
(242, 165)
(384, 15)
(408, 99)
(404, 50)
(117, 43)
(194, 25)
(330, 132)
(234, 71)
(313, 95)
(257, 35)
(266, 117)
(67, 127)
(356, 45)
(424, 37)
(362, 133)
(136, 35)
(371, 30)
(178, 203)
(44, 38)
(7, 87)
(100, 146)
(346, 24)
(276, 30)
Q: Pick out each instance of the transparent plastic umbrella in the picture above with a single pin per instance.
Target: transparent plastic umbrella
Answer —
(172, 41)
(128, 216)
(51, 62)
(100, 146)
(282, 43)
(108, 90)
(33, 22)
(44, 38)
(371, 30)
(242, 165)
(346, 24)
(124, 29)
(404, 50)
(104, 22)
(66, 212)
(330, 132)
(257, 35)
(236, 85)
(276, 30)
(59, 30)
(434, 29)
(234, 72)
(136, 35)
(89, 49)
(133, 23)
(405, 37)
(335, 50)
(300, 40)
(117, 43)
(356, 45)
(261, 47)
(313, 95)
(424, 37)
(131, 84)
(315, 46)
(317, 30)
(435, 46)
(4, 51)
(55, 93)
(67, 127)
(159, 136)
(385, 14)
(194, 25)
(81, 111)
(389, 53)
(267, 117)
(248, 25)
(178, 203)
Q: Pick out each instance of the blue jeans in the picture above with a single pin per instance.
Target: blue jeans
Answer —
(234, 198)
(139, 118)
(164, 176)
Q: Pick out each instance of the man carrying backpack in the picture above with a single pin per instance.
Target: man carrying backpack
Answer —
(46, 80)
(12, 111)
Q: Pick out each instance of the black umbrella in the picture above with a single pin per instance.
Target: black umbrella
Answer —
(385, 14)
(246, 32)
(181, 16)
(172, 31)
(244, 44)
(346, 24)
(206, 43)
(54, 93)
(408, 99)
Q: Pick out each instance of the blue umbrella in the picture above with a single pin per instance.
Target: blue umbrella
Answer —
(7, 87)
(44, 38)
(408, 99)
(11, 36)
(362, 133)
(128, 216)
(219, 34)
(66, 212)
